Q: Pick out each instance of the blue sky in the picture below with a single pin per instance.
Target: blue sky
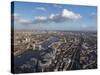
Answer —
(45, 16)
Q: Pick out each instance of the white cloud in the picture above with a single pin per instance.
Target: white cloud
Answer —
(40, 18)
(70, 15)
(17, 18)
(41, 8)
(51, 16)
(25, 21)
(65, 15)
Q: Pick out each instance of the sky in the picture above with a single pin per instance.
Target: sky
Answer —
(46, 16)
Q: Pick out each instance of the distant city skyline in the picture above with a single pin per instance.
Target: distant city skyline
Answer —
(47, 16)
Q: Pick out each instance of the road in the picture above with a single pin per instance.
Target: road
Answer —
(75, 64)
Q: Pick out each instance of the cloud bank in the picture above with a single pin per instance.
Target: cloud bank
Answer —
(40, 8)
(65, 15)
